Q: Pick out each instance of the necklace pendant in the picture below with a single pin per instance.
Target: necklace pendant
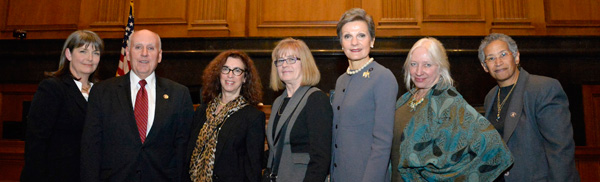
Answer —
(497, 119)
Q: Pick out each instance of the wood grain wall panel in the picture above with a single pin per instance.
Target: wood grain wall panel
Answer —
(160, 12)
(282, 18)
(12, 97)
(572, 13)
(591, 110)
(453, 10)
(398, 14)
(226, 18)
(296, 17)
(208, 15)
(107, 15)
(511, 14)
(35, 15)
(3, 8)
(587, 161)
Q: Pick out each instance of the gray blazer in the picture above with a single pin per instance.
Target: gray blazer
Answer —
(292, 166)
(538, 130)
(363, 123)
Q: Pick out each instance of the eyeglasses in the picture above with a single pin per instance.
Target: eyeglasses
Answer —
(236, 71)
(288, 60)
(502, 56)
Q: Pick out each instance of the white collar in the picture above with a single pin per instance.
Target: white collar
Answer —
(134, 79)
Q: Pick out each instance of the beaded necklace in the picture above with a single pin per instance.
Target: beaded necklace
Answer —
(358, 70)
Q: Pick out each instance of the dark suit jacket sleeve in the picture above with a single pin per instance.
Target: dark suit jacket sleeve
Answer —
(92, 136)
(43, 115)
(554, 122)
(319, 117)
(183, 134)
(255, 145)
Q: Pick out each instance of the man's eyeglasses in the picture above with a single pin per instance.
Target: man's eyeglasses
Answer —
(236, 71)
(288, 60)
(502, 56)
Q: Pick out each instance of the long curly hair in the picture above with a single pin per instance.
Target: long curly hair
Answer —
(211, 85)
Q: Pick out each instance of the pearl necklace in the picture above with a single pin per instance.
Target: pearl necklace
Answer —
(358, 70)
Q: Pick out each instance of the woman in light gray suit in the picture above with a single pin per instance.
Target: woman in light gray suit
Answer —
(299, 129)
(363, 106)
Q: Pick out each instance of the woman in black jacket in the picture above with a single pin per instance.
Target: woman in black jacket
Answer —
(227, 141)
(57, 112)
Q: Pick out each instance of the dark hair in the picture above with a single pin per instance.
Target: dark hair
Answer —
(77, 39)
(211, 85)
(356, 14)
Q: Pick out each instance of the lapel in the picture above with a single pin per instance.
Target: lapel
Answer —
(73, 90)
(289, 108)
(124, 98)
(274, 109)
(162, 102)
(515, 106)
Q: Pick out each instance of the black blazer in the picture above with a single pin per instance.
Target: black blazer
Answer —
(54, 126)
(111, 146)
(240, 145)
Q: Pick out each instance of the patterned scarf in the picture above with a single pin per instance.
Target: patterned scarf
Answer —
(203, 157)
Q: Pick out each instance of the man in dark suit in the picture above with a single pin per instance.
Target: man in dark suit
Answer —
(137, 125)
(531, 113)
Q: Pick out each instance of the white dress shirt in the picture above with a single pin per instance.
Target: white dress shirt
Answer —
(150, 89)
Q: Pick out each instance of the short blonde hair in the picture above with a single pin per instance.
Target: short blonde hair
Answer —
(437, 53)
(310, 73)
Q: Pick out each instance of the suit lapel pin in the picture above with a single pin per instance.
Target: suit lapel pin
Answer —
(166, 96)
(513, 114)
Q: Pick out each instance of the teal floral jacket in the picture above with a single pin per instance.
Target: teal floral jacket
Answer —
(448, 140)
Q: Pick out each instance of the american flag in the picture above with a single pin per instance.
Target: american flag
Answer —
(124, 65)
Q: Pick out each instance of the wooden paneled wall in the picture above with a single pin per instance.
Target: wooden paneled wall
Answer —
(270, 18)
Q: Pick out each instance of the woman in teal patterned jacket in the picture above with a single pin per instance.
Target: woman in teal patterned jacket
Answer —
(438, 136)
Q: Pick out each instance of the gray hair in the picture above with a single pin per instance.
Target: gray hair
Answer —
(512, 45)
(437, 53)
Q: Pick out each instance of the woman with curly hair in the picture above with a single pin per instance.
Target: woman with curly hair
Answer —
(227, 140)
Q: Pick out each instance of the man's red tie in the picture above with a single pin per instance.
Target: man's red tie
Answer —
(141, 110)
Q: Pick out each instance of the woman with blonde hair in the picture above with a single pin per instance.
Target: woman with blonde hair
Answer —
(438, 136)
(299, 129)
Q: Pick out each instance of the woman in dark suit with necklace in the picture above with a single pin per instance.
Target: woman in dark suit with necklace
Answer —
(227, 141)
(58, 109)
